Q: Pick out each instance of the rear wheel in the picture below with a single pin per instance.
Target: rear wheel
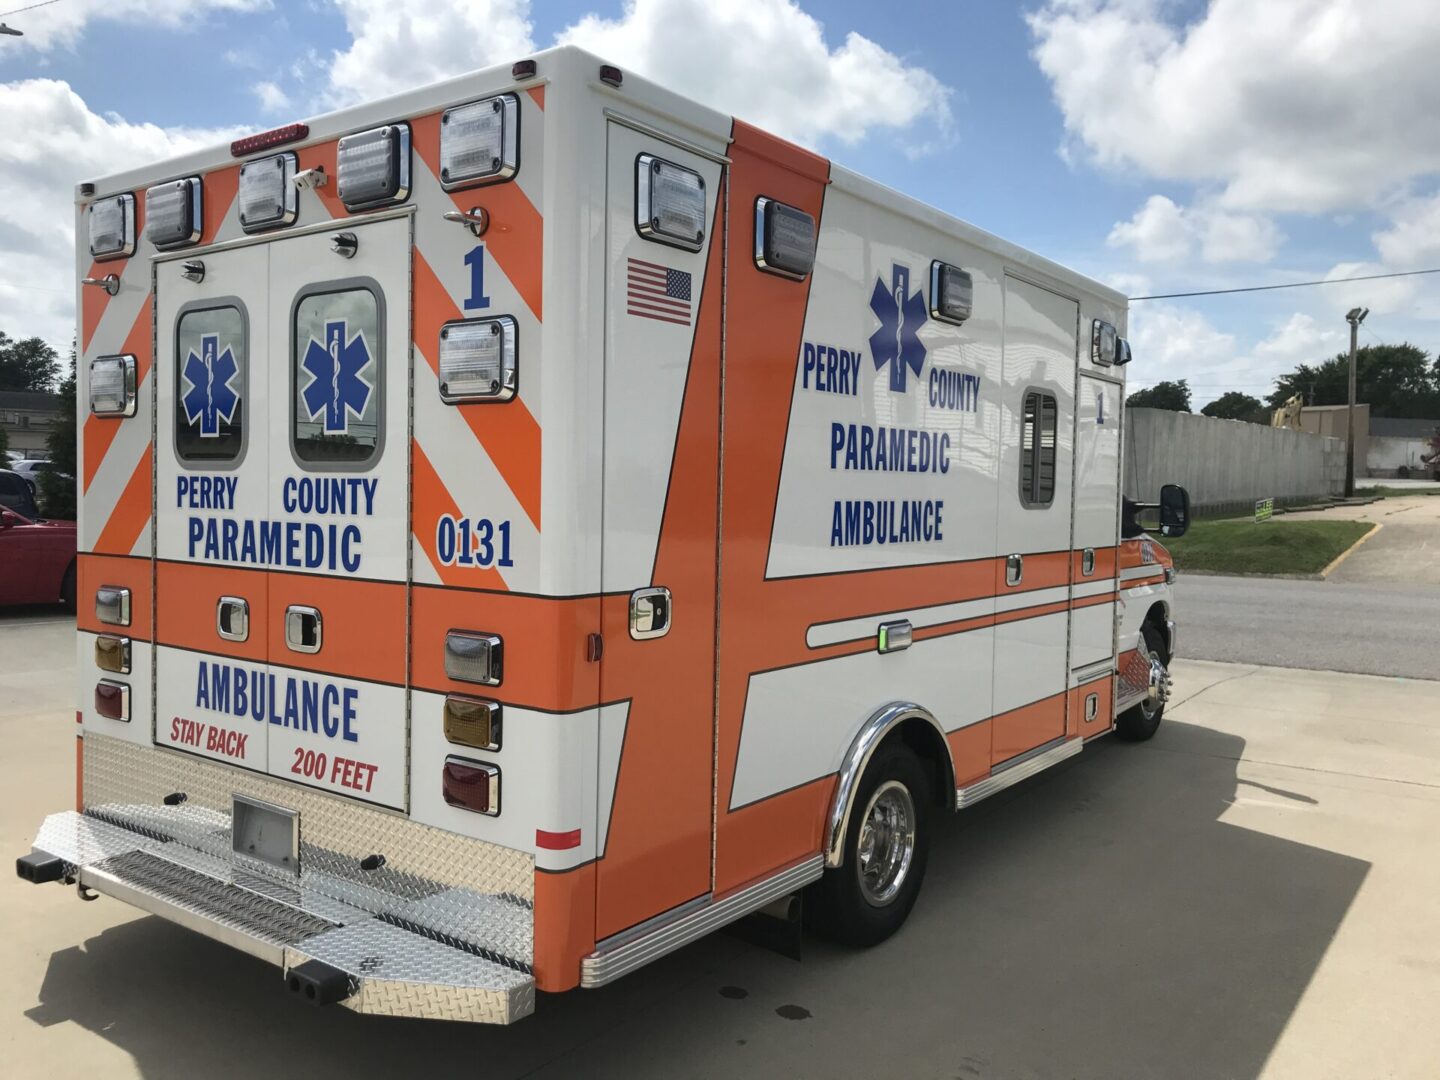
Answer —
(887, 840)
(1140, 722)
(67, 589)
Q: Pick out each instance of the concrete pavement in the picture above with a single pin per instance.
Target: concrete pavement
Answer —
(1249, 894)
(1406, 550)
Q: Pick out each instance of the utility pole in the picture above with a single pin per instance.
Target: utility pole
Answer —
(1355, 316)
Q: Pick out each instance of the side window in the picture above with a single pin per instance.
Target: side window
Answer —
(337, 372)
(1037, 450)
(212, 371)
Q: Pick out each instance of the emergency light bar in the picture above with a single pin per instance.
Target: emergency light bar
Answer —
(478, 360)
(266, 139)
(268, 197)
(373, 167)
(173, 213)
(784, 239)
(669, 203)
(480, 142)
(112, 385)
(112, 227)
(1102, 343)
(952, 293)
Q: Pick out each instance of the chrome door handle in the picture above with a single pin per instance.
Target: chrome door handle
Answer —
(303, 628)
(1014, 569)
(650, 613)
(232, 618)
(1087, 562)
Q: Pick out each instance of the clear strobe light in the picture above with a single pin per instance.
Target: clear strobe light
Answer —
(112, 386)
(172, 213)
(478, 360)
(669, 203)
(268, 196)
(373, 167)
(784, 239)
(480, 142)
(112, 227)
(952, 293)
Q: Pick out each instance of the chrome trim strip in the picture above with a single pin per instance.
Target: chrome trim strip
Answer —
(1093, 671)
(608, 963)
(1022, 768)
(852, 768)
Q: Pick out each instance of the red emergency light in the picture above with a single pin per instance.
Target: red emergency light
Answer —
(471, 785)
(112, 700)
(266, 139)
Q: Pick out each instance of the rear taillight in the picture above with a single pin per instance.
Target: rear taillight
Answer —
(472, 722)
(113, 654)
(472, 785)
(474, 657)
(112, 700)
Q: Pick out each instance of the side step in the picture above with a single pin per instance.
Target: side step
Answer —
(1021, 768)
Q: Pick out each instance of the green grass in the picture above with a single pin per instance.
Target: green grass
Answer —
(1240, 546)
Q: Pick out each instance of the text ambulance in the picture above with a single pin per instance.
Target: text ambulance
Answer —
(530, 522)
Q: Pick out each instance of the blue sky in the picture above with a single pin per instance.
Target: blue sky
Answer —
(1157, 145)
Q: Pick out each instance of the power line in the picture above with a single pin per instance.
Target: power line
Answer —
(32, 7)
(1288, 285)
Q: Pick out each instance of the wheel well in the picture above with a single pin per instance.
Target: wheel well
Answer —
(926, 743)
(1157, 614)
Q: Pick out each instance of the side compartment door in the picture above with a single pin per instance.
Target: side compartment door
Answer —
(212, 477)
(658, 556)
(1097, 532)
(339, 438)
(1033, 519)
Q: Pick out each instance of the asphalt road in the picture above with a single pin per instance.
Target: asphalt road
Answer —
(1250, 894)
(1372, 628)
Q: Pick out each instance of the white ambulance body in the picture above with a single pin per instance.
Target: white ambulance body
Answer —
(533, 521)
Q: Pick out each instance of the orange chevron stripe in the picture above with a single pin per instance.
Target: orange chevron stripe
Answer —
(220, 188)
(131, 513)
(537, 94)
(508, 432)
(431, 498)
(516, 237)
(100, 431)
(322, 156)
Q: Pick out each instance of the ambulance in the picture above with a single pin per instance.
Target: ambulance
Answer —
(531, 522)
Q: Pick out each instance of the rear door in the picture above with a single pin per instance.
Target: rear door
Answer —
(1033, 520)
(282, 507)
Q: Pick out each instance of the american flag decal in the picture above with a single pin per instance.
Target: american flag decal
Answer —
(657, 292)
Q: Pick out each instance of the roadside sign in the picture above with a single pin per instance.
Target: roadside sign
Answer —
(1264, 510)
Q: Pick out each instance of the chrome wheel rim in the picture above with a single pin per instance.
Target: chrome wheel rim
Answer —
(886, 848)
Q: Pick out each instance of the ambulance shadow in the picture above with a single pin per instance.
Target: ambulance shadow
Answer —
(1097, 921)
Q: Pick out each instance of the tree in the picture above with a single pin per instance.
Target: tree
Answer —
(1234, 405)
(1174, 396)
(1394, 380)
(30, 364)
(57, 484)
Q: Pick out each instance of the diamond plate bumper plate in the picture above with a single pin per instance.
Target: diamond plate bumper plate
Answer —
(443, 929)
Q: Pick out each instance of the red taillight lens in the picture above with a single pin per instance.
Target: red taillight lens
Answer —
(266, 139)
(112, 700)
(472, 785)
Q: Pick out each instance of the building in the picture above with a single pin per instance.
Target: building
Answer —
(1396, 446)
(1330, 420)
(27, 417)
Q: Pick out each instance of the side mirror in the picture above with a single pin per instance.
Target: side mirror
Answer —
(1122, 351)
(1174, 510)
(8, 520)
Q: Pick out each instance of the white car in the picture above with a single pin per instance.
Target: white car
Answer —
(32, 469)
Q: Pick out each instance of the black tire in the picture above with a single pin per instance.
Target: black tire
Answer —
(67, 589)
(1140, 722)
(839, 906)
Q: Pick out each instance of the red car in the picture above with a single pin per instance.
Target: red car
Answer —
(37, 560)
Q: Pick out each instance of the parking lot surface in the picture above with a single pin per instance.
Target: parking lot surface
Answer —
(1252, 893)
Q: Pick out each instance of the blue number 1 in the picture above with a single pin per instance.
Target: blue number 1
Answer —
(476, 261)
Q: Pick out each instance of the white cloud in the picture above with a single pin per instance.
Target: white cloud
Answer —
(49, 141)
(1412, 241)
(61, 25)
(1162, 231)
(272, 99)
(1307, 105)
(396, 47)
(768, 63)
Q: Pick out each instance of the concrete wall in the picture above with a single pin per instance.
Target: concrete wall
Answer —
(1388, 453)
(1227, 465)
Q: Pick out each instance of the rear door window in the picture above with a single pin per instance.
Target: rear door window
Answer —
(337, 376)
(212, 372)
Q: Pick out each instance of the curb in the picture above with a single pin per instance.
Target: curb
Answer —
(1325, 574)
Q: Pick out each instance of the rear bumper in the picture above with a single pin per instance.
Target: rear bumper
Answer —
(443, 929)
